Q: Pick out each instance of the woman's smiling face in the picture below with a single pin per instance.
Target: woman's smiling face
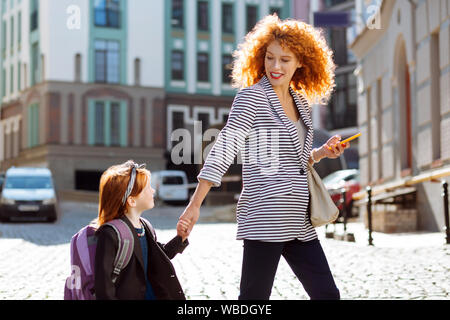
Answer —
(280, 64)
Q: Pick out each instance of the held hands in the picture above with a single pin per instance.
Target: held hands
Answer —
(183, 229)
(187, 220)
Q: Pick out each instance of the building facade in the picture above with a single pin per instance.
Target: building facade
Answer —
(81, 82)
(86, 84)
(404, 97)
(338, 116)
(200, 39)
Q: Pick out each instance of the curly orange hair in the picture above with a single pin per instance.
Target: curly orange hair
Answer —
(315, 79)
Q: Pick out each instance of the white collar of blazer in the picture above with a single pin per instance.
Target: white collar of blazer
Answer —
(302, 107)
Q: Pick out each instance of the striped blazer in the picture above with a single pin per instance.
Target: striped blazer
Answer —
(274, 200)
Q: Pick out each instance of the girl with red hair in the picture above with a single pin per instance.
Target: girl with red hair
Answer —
(125, 193)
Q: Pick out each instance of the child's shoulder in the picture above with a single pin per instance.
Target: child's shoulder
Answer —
(149, 226)
(106, 230)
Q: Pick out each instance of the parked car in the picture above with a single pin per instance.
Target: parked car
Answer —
(171, 186)
(28, 195)
(348, 179)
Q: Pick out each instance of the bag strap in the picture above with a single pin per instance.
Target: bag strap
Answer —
(150, 227)
(125, 246)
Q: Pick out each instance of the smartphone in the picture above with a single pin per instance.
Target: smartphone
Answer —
(349, 139)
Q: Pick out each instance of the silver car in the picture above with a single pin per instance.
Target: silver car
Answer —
(28, 194)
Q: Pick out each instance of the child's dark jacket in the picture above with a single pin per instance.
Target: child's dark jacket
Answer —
(130, 284)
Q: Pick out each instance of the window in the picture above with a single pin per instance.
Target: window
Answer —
(34, 18)
(252, 16)
(107, 13)
(226, 68)
(275, 10)
(203, 67)
(107, 123)
(107, 61)
(29, 182)
(99, 136)
(177, 123)
(3, 39)
(330, 3)
(227, 18)
(115, 123)
(19, 29)
(35, 62)
(225, 118)
(19, 70)
(204, 118)
(343, 103)
(177, 65)
(177, 13)
(202, 16)
(177, 120)
(172, 180)
(11, 40)
(25, 76)
(11, 79)
(33, 125)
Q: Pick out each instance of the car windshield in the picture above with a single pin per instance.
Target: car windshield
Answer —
(338, 176)
(172, 180)
(28, 182)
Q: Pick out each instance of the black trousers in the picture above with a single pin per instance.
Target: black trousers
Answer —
(306, 259)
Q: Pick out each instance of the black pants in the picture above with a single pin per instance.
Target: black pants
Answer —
(306, 259)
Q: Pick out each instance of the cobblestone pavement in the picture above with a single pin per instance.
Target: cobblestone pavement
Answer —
(34, 260)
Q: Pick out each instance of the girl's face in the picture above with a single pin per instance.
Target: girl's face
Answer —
(280, 64)
(145, 199)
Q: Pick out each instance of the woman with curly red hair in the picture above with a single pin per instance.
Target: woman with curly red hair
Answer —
(280, 67)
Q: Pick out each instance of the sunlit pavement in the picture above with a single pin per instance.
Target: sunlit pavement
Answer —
(35, 261)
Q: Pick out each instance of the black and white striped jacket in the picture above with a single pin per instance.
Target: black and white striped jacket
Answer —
(274, 200)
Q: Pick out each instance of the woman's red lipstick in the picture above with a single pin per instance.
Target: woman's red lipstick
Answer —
(275, 75)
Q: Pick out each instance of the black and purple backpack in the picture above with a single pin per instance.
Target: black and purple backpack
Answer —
(80, 284)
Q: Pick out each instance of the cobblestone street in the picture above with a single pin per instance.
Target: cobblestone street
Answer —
(34, 260)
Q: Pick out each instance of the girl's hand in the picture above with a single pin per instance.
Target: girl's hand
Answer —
(183, 229)
(337, 149)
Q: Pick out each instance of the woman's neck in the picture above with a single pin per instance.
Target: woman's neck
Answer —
(282, 93)
(133, 216)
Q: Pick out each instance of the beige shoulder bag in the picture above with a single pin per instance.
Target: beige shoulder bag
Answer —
(322, 208)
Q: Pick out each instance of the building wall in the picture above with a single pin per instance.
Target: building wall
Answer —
(214, 42)
(14, 53)
(50, 123)
(413, 38)
(64, 125)
(145, 41)
(61, 39)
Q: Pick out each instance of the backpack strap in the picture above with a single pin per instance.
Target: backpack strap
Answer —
(125, 246)
(149, 225)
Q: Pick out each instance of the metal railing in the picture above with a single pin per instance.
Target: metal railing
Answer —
(367, 195)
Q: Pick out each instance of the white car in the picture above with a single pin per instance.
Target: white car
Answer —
(170, 185)
(28, 195)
